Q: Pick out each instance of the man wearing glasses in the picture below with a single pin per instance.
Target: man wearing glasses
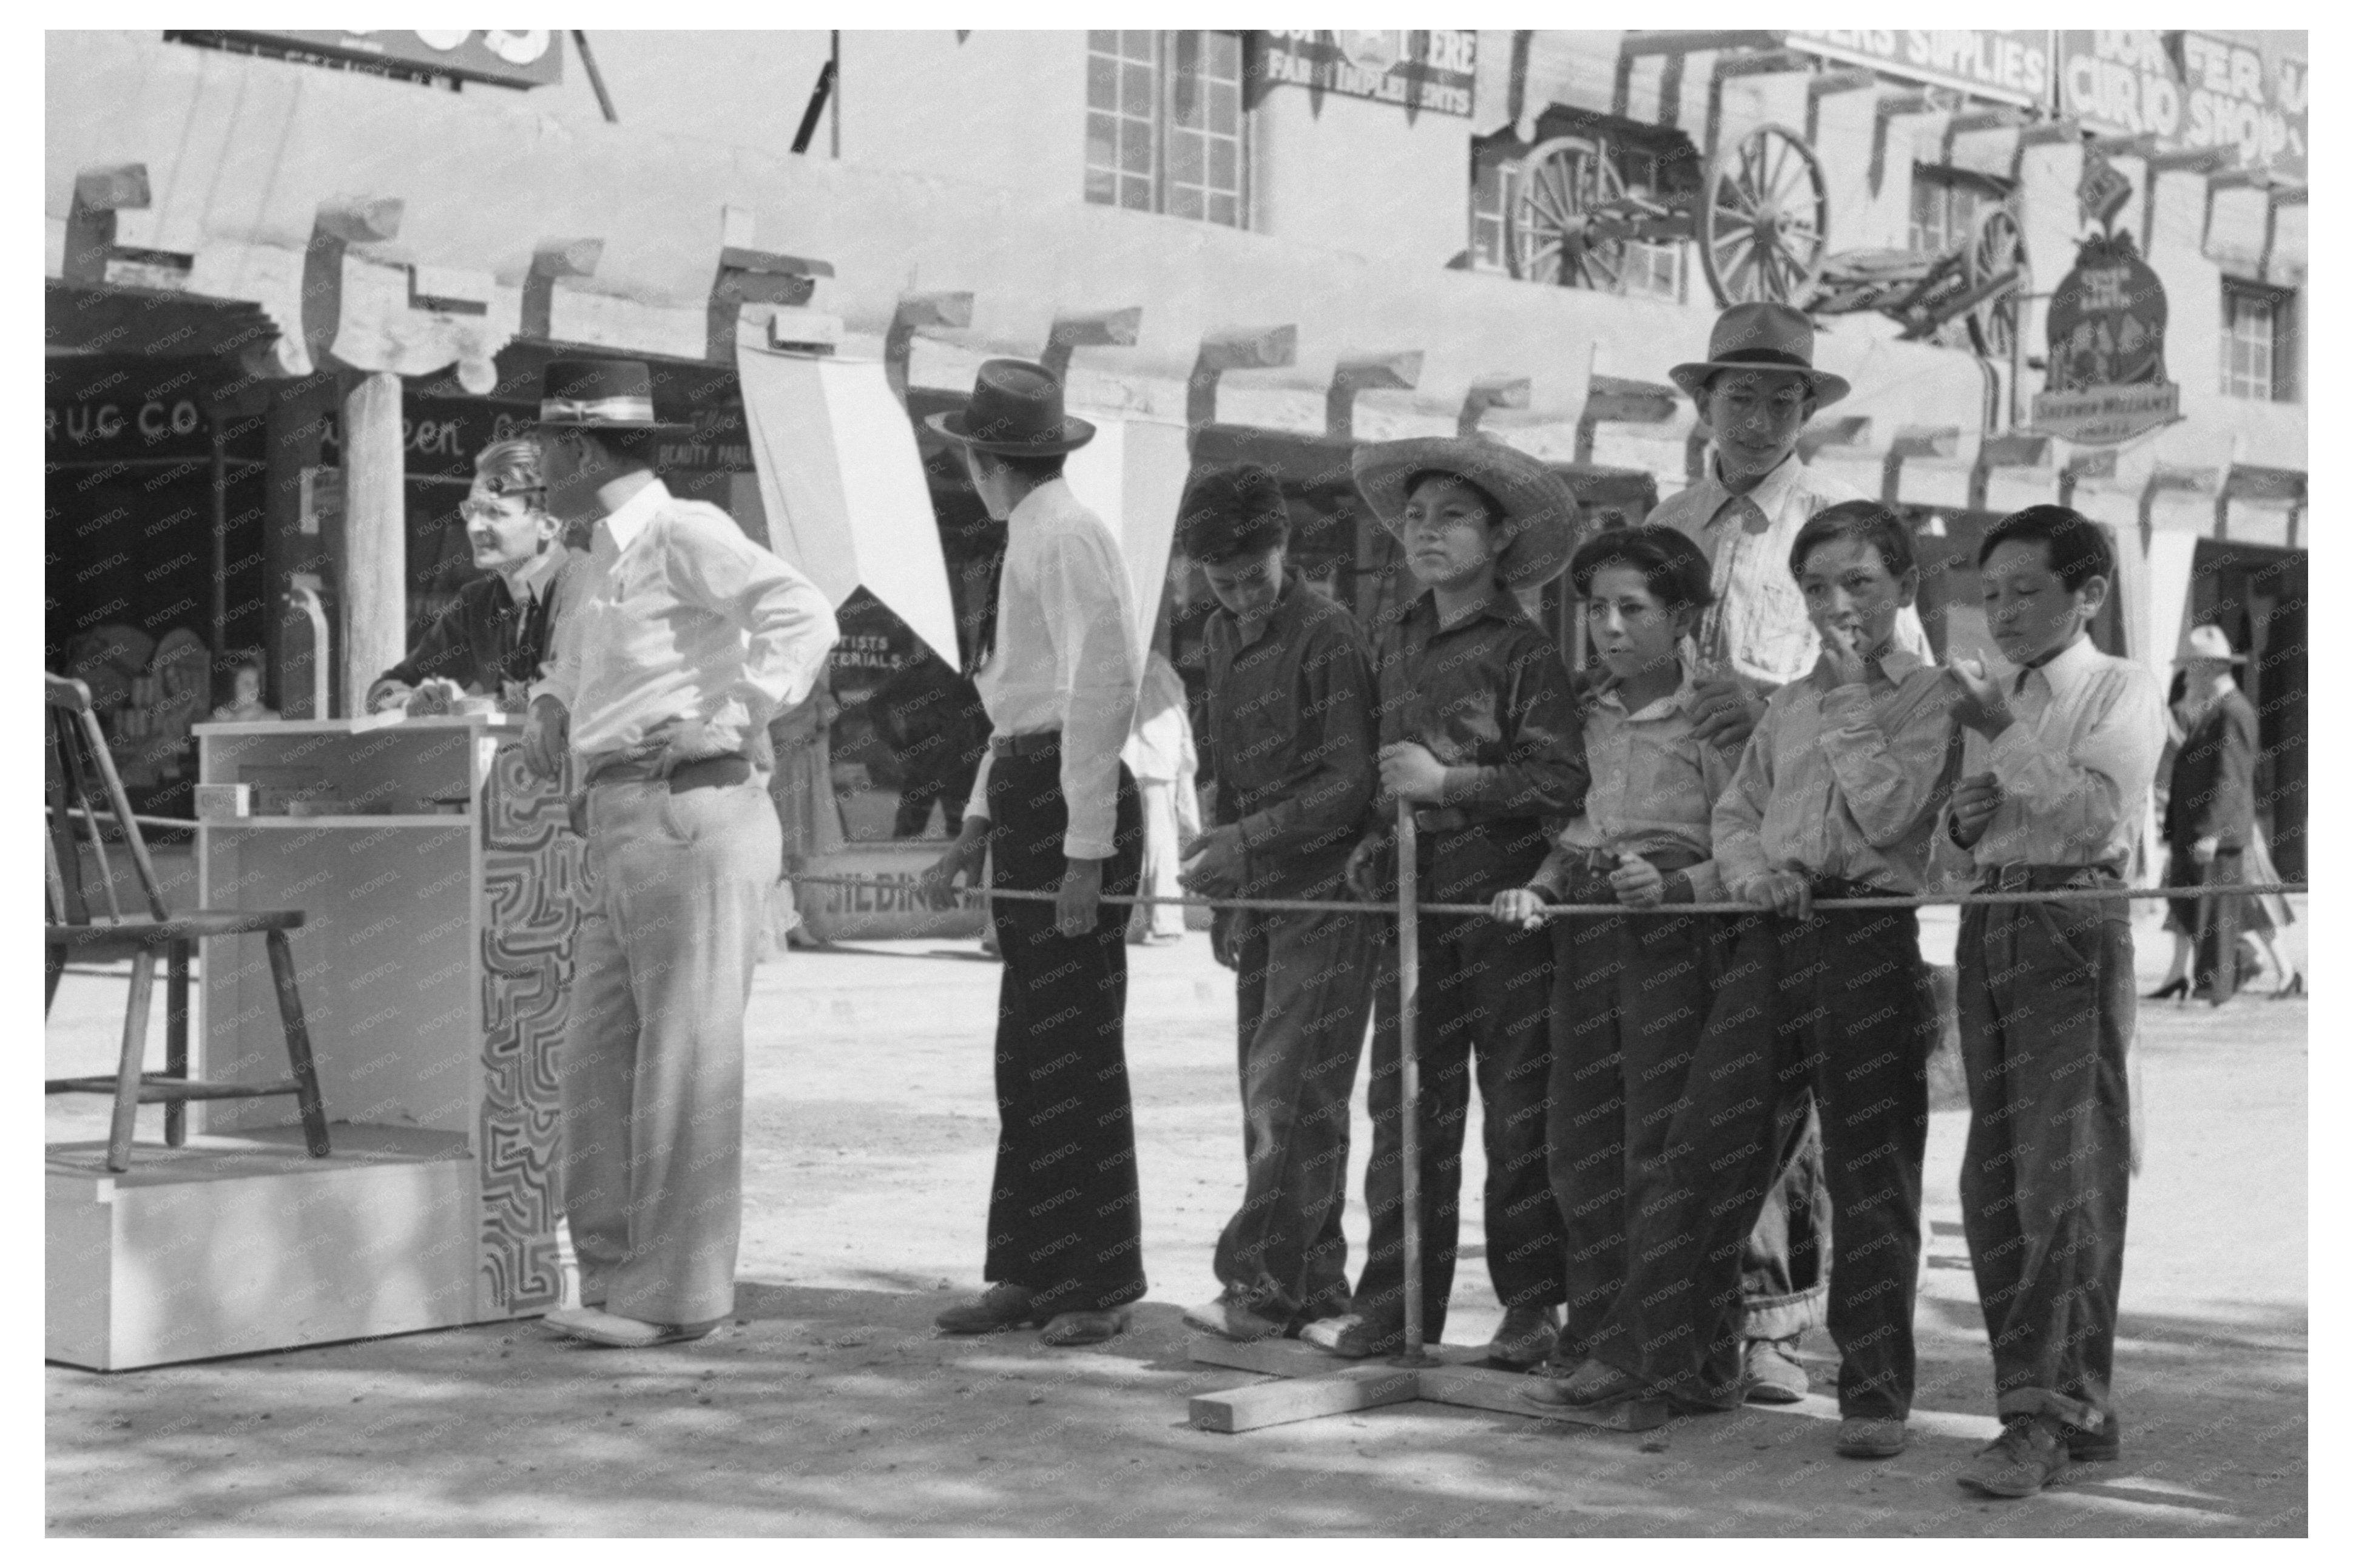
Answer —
(493, 639)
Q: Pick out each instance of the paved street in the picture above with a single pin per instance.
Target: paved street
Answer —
(828, 1406)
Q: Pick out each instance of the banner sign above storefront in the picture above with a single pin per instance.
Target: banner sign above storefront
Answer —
(2106, 326)
(1435, 68)
(2189, 91)
(513, 56)
(2009, 65)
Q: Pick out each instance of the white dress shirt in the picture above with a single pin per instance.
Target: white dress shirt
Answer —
(1758, 628)
(679, 622)
(1064, 659)
(2076, 764)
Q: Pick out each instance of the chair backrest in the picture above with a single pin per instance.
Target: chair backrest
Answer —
(84, 791)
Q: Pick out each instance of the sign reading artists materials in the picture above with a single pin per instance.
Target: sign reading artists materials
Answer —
(1434, 69)
(2106, 329)
(2008, 65)
(2189, 91)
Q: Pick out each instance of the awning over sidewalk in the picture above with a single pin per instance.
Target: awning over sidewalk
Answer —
(843, 487)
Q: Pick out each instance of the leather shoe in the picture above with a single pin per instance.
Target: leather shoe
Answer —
(1775, 1376)
(2029, 1456)
(1526, 1338)
(1089, 1327)
(1230, 1317)
(1000, 1307)
(1593, 1382)
(2088, 1446)
(1871, 1436)
(1355, 1336)
(599, 1327)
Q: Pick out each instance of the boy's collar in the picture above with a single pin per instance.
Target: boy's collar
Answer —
(2070, 665)
(1609, 686)
(1895, 664)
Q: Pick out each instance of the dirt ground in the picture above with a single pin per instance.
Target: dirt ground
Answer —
(828, 1406)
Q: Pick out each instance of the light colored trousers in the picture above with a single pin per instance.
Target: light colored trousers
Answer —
(653, 1057)
(1161, 833)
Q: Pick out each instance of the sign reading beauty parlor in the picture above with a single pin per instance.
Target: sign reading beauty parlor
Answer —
(2009, 65)
(1434, 69)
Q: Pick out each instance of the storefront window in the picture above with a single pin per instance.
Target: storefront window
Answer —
(1945, 206)
(1165, 131)
(2257, 351)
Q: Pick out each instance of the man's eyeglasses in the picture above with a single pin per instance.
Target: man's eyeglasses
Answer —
(490, 506)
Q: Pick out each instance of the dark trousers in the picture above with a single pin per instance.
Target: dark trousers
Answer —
(1302, 998)
(1840, 1005)
(2046, 1005)
(1484, 991)
(1063, 1219)
(923, 786)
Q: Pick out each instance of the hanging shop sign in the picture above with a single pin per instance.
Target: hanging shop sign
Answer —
(2106, 327)
(2009, 65)
(1435, 68)
(512, 56)
(2189, 91)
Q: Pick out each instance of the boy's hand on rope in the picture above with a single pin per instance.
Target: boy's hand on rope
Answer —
(1786, 892)
(1521, 906)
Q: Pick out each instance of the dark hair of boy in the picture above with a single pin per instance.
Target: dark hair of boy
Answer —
(2076, 548)
(1673, 568)
(1232, 512)
(1866, 522)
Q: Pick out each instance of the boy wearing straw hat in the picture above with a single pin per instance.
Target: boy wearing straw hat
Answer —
(1290, 726)
(1478, 730)
(2066, 748)
(1835, 797)
(1053, 810)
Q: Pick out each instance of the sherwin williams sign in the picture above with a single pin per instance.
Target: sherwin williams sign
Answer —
(2106, 327)
(1435, 68)
(2011, 65)
(2201, 92)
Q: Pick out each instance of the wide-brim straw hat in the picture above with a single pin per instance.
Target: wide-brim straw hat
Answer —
(1538, 506)
(600, 395)
(1015, 411)
(1761, 337)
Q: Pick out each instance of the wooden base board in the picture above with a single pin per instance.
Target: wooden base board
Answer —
(232, 1246)
(1317, 1382)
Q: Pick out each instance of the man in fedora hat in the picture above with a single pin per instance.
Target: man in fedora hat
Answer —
(2209, 815)
(1052, 810)
(1479, 731)
(1756, 391)
(684, 640)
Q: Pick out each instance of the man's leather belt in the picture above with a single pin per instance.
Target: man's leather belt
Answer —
(703, 773)
(1038, 743)
(2021, 877)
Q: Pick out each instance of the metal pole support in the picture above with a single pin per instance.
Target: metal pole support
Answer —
(1410, 1072)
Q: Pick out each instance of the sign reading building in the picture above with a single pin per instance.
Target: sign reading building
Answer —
(2106, 331)
(2189, 91)
(1433, 68)
(2009, 65)
(512, 56)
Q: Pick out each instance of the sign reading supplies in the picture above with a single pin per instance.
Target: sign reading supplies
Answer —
(2106, 326)
(2010, 65)
(1433, 67)
(2203, 92)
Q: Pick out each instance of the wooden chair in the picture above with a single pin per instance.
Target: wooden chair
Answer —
(78, 757)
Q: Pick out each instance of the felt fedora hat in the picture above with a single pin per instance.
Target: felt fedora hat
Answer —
(1017, 411)
(599, 395)
(1538, 505)
(2209, 642)
(1761, 337)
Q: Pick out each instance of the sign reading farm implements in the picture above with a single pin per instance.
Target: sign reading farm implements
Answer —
(1433, 68)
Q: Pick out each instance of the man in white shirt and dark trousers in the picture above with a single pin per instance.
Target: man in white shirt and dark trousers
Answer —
(2065, 752)
(1053, 809)
(682, 640)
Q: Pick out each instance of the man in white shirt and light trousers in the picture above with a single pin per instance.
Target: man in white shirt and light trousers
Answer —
(683, 640)
(1054, 810)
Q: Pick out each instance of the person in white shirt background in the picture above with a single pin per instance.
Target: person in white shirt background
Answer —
(1160, 754)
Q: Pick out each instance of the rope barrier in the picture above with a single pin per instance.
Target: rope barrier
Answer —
(1357, 907)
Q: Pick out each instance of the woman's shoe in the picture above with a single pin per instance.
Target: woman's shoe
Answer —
(2292, 986)
(2172, 987)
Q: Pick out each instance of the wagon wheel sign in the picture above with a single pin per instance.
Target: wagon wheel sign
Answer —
(1764, 219)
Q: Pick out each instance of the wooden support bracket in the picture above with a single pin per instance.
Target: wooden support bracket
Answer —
(1896, 106)
(1728, 65)
(1911, 441)
(1613, 400)
(1399, 370)
(747, 277)
(2004, 452)
(1491, 392)
(950, 311)
(1824, 84)
(551, 260)
(1089, 329)
(1236, 348)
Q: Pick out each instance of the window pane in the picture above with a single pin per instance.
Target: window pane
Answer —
(1136, 44)
(1103, 185)
(1225, 107)
(1226, 211)
(1221, 166)
(1102, 141)
(1135, 89)
(1225, 56)
(1184, 157)
(1184, 201)
(1136, 193)
(1103, 82)
(1135, 147)
(1104, 39)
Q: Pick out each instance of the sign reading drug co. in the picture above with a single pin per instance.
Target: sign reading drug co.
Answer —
(1435, 68)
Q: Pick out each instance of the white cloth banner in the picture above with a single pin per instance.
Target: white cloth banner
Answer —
(843, 486)
(1132, 475)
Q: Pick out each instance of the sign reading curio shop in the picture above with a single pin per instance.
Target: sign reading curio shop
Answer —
(2106, 326)
(2187, 90)
(1433, 68)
